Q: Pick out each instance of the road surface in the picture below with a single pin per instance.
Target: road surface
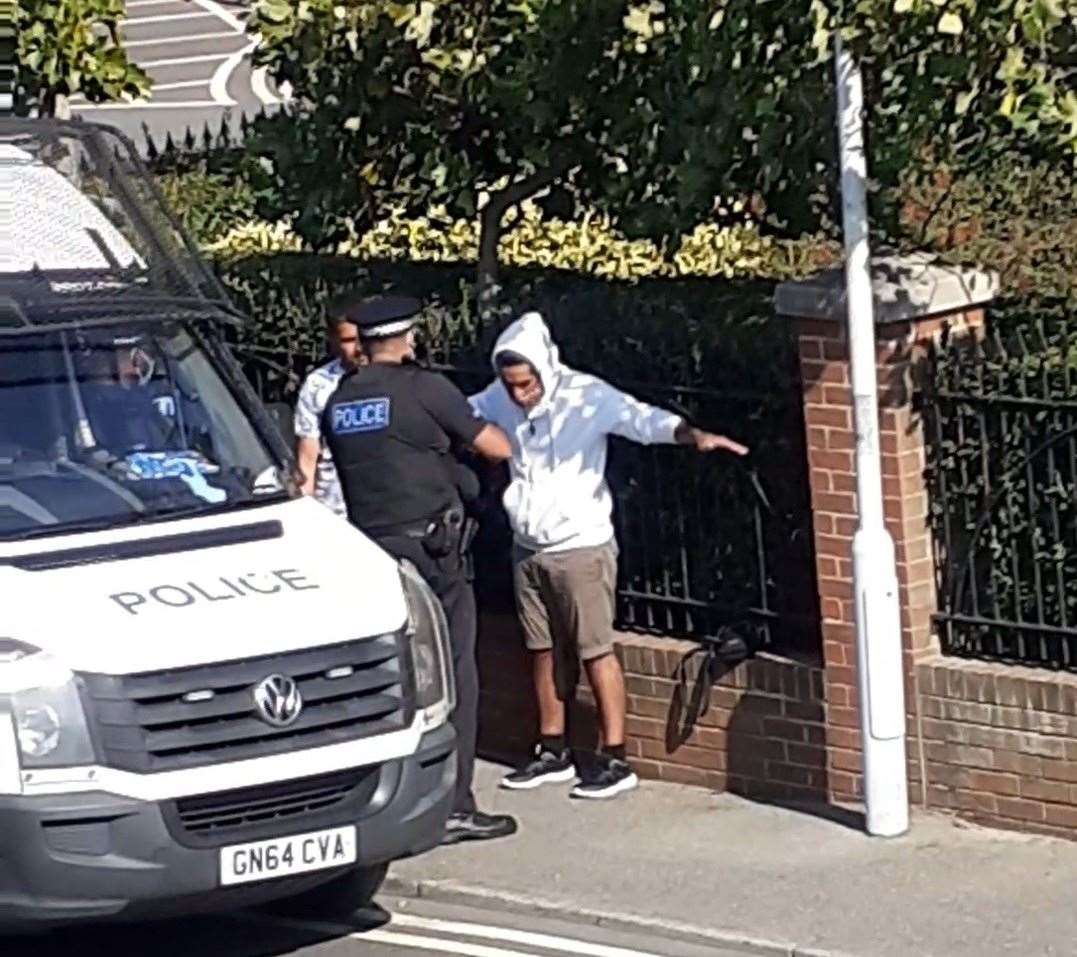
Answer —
(417, 928)
(197, 53)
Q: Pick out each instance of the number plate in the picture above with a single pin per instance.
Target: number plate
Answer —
(283, 856)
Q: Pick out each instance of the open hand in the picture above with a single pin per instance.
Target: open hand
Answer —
(709, 442)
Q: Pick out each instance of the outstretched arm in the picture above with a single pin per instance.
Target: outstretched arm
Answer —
(701, 441)
(640, 422)
(463, 421)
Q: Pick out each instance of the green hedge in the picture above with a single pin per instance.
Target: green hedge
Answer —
(689, 333)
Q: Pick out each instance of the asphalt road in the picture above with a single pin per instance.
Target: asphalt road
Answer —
(197, 54)
(405, 927)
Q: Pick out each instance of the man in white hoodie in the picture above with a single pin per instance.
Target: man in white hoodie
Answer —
(560, 508)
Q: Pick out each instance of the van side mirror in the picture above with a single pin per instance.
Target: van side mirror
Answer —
(283, 417)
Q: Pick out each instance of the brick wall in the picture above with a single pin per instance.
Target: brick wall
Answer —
(508, 718)
(828, 419)
(755, 730)
(989, 742)
(1000, 744)
(828, 416)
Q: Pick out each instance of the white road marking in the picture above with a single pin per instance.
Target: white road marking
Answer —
(190, 38)
(211, 6)
(380, 935)
(260, 87)
(510, 936)
(166, 17)
(228, 62)
(183, 60)
(218, 87)
(179, 85)
(417, 941)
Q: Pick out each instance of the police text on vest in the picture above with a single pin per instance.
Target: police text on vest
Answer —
(364, 415)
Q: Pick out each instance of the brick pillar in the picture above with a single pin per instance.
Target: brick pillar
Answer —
(915, 302)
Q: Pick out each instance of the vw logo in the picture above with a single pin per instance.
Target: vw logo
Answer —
(278, 700)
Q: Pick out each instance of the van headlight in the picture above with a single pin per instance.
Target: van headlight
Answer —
(427, 630)
(40, 695)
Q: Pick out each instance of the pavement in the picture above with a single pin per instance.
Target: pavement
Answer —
(198, 56)
(715, 868)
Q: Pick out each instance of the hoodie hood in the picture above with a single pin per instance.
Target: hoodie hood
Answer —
(529, 337)
(558, 498)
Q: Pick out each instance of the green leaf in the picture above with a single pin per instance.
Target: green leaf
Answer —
(950, 24)
(73, 46)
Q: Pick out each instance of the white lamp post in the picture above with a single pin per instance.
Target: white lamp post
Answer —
(875, 586)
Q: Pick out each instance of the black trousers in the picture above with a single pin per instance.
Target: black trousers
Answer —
(449, 579)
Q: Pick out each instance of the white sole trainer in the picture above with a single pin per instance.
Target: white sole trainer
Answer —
(554, 777)
(629, 783)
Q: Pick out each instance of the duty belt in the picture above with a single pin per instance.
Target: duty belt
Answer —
(417, 530)
(445, 533)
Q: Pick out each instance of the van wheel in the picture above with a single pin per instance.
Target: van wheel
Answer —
(337, 899)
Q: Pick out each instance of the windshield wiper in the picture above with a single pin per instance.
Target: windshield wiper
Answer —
(146, 518)
(195, 511)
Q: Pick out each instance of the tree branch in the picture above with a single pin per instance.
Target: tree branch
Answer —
(517, 192)
(490, 221)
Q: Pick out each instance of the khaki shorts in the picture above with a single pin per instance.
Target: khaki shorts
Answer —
(566, 599)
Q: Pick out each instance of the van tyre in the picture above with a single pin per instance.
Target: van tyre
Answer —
(339, 898)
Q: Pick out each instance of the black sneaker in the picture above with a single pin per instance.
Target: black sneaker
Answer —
(548, 767)
(477, 826)
(611, 777)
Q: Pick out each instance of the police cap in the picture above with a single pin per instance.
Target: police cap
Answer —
(381, 317)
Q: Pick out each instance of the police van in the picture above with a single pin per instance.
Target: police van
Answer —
(213, 691)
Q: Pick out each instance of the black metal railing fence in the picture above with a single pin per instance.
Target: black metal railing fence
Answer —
(706, 541)
(1001, 430)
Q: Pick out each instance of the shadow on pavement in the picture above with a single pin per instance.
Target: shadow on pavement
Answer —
(247, 934)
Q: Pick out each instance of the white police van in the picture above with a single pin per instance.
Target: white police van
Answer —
(213, 691)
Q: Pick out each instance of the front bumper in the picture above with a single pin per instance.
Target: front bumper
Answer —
(92, 857)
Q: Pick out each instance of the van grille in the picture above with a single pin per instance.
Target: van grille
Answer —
(164, 720)
(230, 815)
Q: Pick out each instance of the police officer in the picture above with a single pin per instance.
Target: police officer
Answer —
(134, 404)
(392, 428)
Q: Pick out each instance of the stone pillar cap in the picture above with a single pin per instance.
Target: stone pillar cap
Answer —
(906, 287)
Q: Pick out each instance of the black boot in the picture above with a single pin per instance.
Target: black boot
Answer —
(476, 826)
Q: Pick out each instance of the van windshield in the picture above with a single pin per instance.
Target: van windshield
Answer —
(119, 424)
